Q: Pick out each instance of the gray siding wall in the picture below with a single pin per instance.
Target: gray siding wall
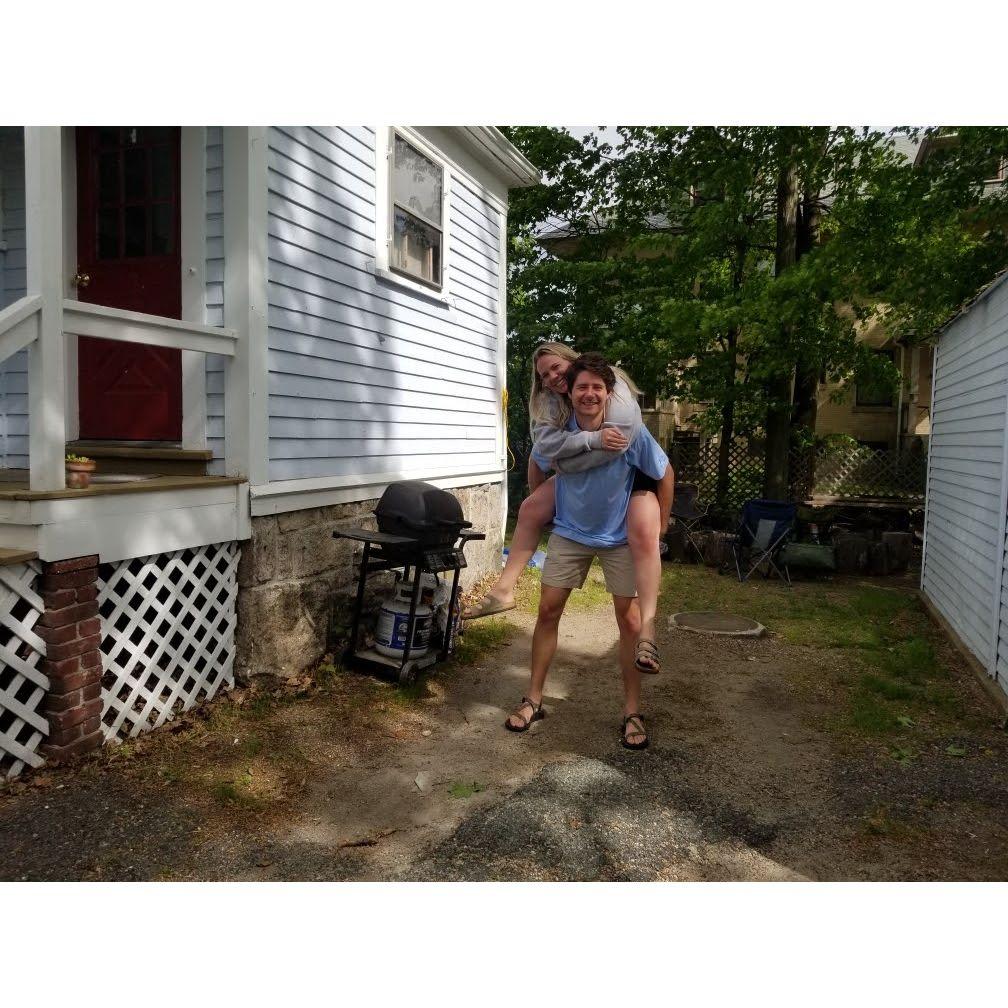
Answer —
(963, 564)
(366, 377)
(215, 291)
(14, 370)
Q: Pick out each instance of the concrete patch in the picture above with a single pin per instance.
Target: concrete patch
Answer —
(717, 624)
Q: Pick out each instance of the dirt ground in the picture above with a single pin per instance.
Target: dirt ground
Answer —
(848, 743)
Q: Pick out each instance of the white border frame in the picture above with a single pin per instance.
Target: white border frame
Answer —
(384, 136)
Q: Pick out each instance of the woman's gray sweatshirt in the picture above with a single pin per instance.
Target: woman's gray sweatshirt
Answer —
(576, 451)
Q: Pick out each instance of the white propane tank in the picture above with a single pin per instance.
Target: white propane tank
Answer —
(393, 617)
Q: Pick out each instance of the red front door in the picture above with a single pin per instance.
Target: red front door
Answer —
(128, 233)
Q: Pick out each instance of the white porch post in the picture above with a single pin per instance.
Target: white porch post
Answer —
(46, 359)
(245, 302)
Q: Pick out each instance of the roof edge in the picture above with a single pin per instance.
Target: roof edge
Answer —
(980, 295)
(493, 148)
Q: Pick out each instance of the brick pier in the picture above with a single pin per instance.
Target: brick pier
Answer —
(71, 629)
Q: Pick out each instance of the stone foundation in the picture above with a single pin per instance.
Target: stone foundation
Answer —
(296, 583)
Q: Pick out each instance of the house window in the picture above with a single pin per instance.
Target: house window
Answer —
(417, 195)
(997, 170)
(874, 393)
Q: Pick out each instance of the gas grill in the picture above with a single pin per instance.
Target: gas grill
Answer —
(421, 530)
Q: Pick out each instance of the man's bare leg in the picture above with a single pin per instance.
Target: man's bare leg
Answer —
(544, 643)
(533, 515)
(628, 618)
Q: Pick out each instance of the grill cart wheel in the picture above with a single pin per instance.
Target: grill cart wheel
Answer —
(408, 674)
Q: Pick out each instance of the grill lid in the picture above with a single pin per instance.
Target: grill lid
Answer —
(420, 510)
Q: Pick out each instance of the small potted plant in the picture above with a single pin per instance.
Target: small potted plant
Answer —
(79, 469)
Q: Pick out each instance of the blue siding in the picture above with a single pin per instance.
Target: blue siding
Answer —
(14, 370)
(215, 291)
(364, 375)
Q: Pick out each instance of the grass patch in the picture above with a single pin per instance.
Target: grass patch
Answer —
(233, 793)
(480, 637)
(461, 789)
(891, 670)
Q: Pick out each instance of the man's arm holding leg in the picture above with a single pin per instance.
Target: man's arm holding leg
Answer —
(536, 477)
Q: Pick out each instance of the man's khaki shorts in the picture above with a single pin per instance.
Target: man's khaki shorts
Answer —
(567, 564)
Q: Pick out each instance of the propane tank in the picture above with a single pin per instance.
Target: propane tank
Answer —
(393, 618)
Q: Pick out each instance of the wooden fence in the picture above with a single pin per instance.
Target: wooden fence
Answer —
(815, 474)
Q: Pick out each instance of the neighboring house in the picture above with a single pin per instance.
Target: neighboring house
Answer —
(964, 568)
(253, 330)
(881, 419)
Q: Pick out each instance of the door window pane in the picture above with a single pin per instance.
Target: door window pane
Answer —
(108, 178)
(135, 173)
(161, 173)
(108, 233)
(135, 231)
(162, 237)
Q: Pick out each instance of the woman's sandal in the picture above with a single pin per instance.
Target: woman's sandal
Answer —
(639, 731)
(487, 606)
(647, 652)
(537, 715)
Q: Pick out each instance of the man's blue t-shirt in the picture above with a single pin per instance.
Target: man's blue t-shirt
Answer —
(591, 506)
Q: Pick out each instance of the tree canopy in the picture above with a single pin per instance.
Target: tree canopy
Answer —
(732, 266)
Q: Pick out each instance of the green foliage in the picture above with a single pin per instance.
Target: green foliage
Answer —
(462, 789)
(667, 253)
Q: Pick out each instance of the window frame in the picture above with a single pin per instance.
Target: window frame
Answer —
(385, 212)
(891, 405)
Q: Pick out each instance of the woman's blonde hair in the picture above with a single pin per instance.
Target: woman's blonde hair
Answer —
(546, 406)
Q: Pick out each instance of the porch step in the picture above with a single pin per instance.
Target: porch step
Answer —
(143, 459)
(13, 556)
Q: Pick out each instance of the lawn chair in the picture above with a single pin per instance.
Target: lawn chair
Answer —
(688, 513)
(765, 527)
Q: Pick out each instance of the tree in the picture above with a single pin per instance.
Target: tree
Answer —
(734, 265)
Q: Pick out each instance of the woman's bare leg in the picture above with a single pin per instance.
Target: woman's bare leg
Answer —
(535, 512)
(643, 519)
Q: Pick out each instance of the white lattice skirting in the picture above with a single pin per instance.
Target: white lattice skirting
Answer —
(168, 625)
(23, 727)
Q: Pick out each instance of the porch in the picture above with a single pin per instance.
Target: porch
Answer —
(150, 495)
(118, 601)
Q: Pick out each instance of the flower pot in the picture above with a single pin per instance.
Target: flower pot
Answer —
(78, 474)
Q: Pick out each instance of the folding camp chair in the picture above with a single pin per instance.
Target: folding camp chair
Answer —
(765, 527)
(688, 513)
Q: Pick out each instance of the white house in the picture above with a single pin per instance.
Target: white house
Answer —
(253, 330)
(964, 569)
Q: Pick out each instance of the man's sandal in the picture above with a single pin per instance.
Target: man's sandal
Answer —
(488, 606)
(537, 715)
(638, 731)
(647, 652)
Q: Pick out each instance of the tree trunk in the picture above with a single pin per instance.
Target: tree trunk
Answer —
(807, 372)
(779, 392)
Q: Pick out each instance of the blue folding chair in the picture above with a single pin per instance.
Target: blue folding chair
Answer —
(765, 527)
